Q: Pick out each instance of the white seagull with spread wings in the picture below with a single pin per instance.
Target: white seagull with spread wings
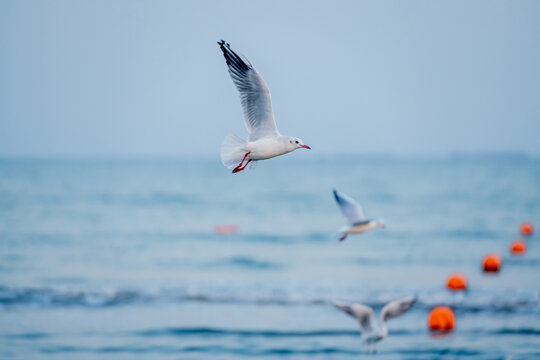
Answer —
(366, 319)
(264, 140)
(356, 222)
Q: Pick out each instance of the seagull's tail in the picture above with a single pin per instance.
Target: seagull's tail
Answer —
(233, 150)
(342, 233)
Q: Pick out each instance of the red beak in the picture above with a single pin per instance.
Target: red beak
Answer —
(305, 146)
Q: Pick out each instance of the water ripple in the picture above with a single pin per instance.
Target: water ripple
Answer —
(48, 296)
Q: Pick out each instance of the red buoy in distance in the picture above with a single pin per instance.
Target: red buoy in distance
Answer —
(518, 247)
(456, 282)
(226, 229)
(526, 229)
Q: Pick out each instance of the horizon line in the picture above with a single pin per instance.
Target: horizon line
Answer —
(514, 155)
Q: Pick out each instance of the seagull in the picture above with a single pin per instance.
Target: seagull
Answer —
(364, 315)
(264, 140)
(356, 222)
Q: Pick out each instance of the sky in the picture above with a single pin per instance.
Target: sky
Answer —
(147, 78)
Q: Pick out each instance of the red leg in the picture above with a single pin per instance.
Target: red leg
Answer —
(343, 237)
(246, 164)
(239, 167)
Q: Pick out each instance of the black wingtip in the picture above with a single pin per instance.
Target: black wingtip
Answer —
(234, 61)
(336, 195)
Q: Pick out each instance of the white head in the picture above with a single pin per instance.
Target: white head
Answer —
(294, 143)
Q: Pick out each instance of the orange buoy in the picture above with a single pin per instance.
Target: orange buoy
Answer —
(226, 229)
(441, 318)
(527, 228)
(518, 247)
(456, 282)
(492, 263)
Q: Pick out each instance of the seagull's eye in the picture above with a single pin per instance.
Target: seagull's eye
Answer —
(297, 141)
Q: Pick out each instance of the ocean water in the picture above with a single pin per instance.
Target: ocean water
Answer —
(119, 259)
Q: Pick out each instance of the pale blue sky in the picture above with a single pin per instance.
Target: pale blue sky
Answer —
(99, 78)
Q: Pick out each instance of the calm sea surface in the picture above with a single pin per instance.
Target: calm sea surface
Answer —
(120, 260)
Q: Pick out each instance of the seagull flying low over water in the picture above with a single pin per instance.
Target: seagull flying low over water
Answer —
(264, 140)
(366, 319)
(356, 222)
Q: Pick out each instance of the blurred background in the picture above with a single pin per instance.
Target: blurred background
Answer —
(141, 78)
(112, 194)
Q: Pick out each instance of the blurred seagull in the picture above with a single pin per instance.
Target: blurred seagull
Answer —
(356, 222)
(264, 140)
(364, 315)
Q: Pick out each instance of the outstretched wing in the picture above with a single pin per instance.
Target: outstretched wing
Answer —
(396, 308)
(362, 313)
(350, 208)
(254, 94)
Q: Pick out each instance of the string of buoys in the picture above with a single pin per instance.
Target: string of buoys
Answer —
(442, 318)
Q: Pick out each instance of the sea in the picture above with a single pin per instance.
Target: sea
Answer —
(124, 258)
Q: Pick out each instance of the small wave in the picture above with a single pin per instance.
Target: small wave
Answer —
(189, 332)
(249, 263)
(471, 234)
(520, 261)
(157, 198)
(240, 237)
(314, 237)
(443, 351)
(244, 333)
(50, 296)
(252, 351)
(28, 336)
(279, 238)
(524, 331)
(315, 351)
(218, 332)
(268, 238)
(207, 349)
(494, 302)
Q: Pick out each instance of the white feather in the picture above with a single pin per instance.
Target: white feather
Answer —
(254, 95)
(233, 150)
(350, 208)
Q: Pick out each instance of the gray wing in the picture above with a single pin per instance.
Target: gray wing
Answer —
(350, 208)
(254, 94)
(362, 313)
(396, 308)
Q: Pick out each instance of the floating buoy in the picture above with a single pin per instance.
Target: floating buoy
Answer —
(456, 282)
(441, 318)
(226, 229)
(518, 247)
(527, 228)
(492, 263)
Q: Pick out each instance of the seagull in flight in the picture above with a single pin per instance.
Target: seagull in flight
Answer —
(264, 140)
(366, 319)
(356, 222)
